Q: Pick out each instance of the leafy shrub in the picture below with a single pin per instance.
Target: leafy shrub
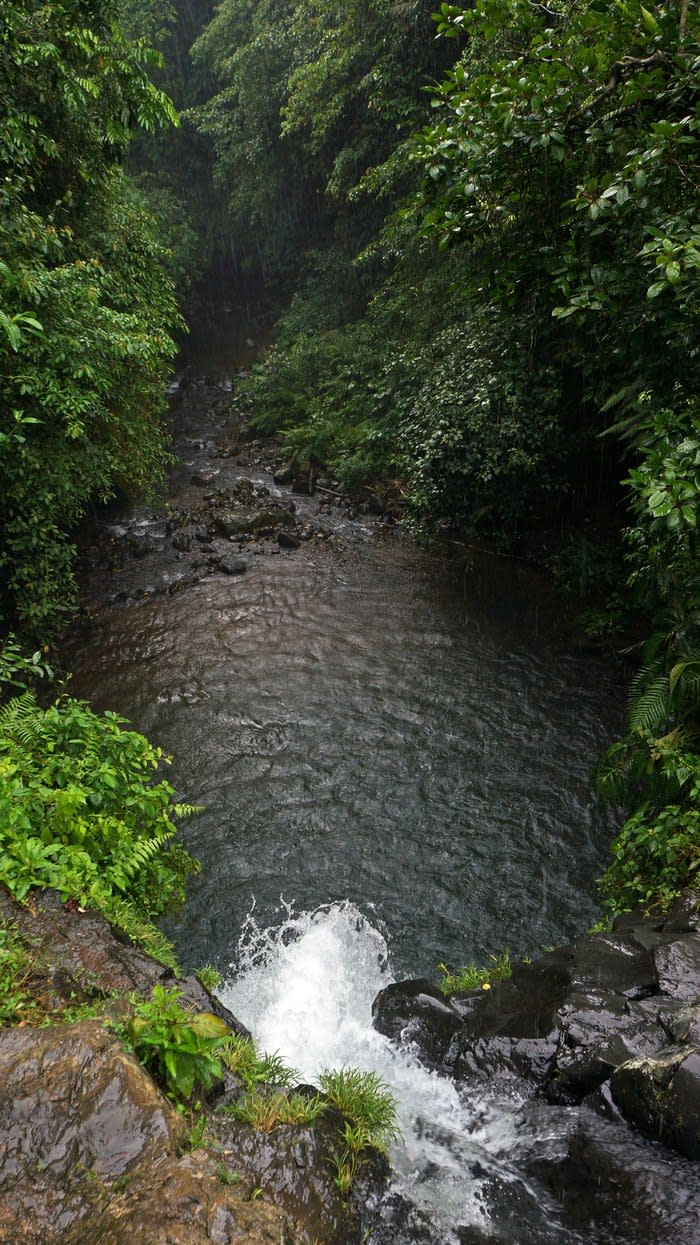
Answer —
(179, 1047)
(16, 666)
(79, 811)
(655, 856)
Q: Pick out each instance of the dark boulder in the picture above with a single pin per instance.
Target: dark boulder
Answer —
(598, 1031)
(228, 566)
(295, 1167)
(661, 1095)
(614, 962)
(606, 1176)
(415, 1012)
(678, 969)
(287, 540)
(511, 1028)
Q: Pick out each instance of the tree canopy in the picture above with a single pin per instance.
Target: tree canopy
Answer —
(86, 308)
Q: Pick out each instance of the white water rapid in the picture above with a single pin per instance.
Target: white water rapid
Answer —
(305, 989)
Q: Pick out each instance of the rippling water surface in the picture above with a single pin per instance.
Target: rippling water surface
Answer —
(368, 722)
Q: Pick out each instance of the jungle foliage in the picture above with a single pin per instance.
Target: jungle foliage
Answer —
(485, 223)
(79, 810)
(86, 305)
(493, 247)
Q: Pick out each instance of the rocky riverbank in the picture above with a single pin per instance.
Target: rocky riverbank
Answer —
(94, 1153)
(232, 499)
(608, 1027)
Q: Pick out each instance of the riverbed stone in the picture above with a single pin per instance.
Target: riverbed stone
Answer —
(661, 1096)
(288, 540)
(229, 566)
(416, 1013)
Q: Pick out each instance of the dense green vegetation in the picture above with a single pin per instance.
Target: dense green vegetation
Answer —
(494, 299)
(86, 305)
(79, 810)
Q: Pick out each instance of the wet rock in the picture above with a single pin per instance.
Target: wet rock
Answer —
(415, 1012)
(511, 1029)
(504, 1057)
(83, 946)
(295, 1166)
(678, 969)
(283, 474)
(608, 1177)
(661, 1096)
(598, 1031)
(140, 546)
(182, 541)
(229, 566)
(614, 962)
(681, 1023)
(261, 522)
(303, 485)
(683, 915)
(178, 582)
(287, 540)
(232, 523)
(90, 1152)
(525, 1004)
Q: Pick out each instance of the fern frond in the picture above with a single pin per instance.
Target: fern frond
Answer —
(651, 708)
(187, 810)
(20, 719)
(624, 398)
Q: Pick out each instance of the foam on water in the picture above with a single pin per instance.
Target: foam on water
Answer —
(305, 989)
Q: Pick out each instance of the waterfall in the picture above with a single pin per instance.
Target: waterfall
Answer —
(305, 989)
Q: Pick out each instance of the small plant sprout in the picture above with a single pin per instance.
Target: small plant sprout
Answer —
(471, 977)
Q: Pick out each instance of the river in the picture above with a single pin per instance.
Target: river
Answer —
(394, 748)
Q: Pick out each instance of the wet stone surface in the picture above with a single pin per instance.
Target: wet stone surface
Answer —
(91, 1150)
(589, 1027)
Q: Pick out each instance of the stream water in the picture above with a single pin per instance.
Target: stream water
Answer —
(395, 757)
